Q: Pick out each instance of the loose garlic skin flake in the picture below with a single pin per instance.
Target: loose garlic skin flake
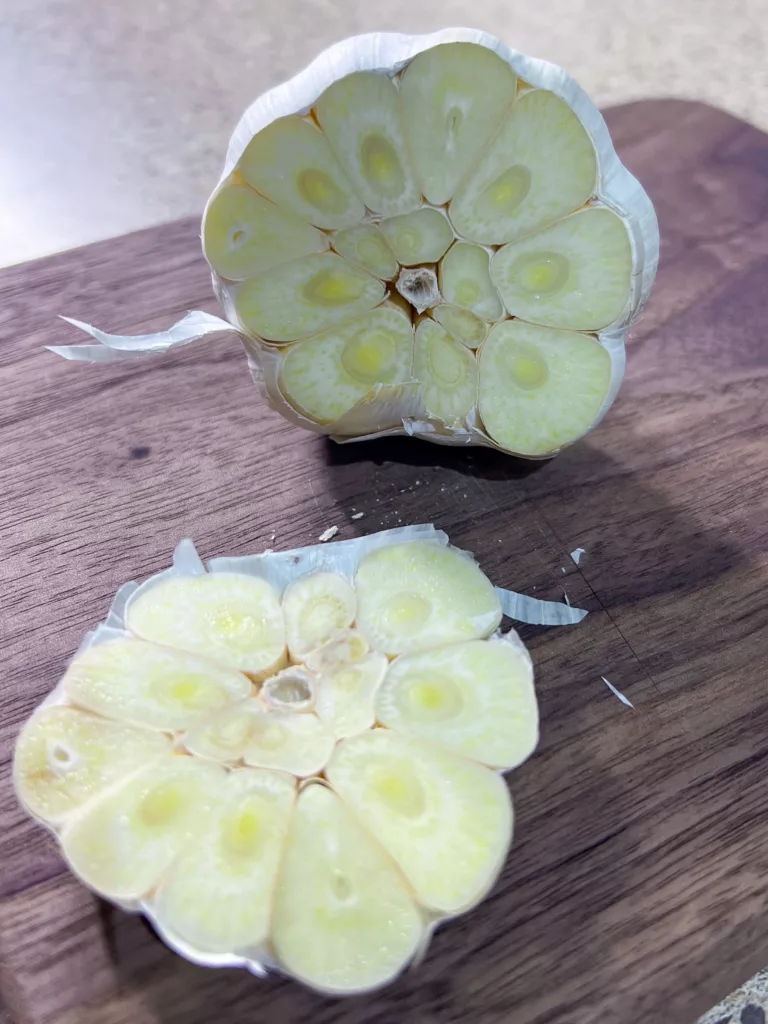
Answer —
(449, 180)
(321, 813)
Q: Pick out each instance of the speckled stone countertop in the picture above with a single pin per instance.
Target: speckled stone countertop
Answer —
(116, 116)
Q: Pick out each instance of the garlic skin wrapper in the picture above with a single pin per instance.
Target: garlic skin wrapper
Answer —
(306, 820)
(444, 180)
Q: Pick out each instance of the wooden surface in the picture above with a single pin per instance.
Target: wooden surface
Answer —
(636, 889)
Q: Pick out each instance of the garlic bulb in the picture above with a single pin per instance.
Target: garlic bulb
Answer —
(428, 235)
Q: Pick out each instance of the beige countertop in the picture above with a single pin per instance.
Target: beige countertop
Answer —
(116, 116)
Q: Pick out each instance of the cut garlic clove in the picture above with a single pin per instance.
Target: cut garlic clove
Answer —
(293, 689)
(344, 920)
(346, 695)
(244, 234)
(419, 237)
(288, 742)
(465, 281)
(475, 698)
(365, 245)
(325, 376)
(360, 116)
(291, 163)
(446, 820)
(453, 98)
(224, 735)
(315, 607)
(447, 372)
(218, 895)
(124, 842)
(308, 295)
(345, 647)
(65, 757)
(461, 324)
(539, 388)
(146, 684)
(233, 619)
(418, 595)
(574, 274)
(541, 166)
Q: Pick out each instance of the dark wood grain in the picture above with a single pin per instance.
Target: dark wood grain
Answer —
(636, 890)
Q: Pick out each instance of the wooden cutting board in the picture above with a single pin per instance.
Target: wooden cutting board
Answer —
(636, 889)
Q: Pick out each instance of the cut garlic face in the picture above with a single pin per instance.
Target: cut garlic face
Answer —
(322, 817)
(560, 381)
(417, 172)
(235, 620)
(447, 371)
(475, 698)
(346, 694)
(219, 895)
(572, 275)
(126, 839)
(65, 756)
(344, 919)
(147, 684)
(449, 174)
(414, 596)
(462, 324)
(453, 99)
(326, 376)
(308, 295)
(366, 246)
(316, 607)
(465, 281)
(360, 116)
(446, 821)
(291, 163)
(539, 167)
(245, 234)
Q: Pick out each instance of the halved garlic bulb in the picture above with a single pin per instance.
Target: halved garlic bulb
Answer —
(475, 698)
